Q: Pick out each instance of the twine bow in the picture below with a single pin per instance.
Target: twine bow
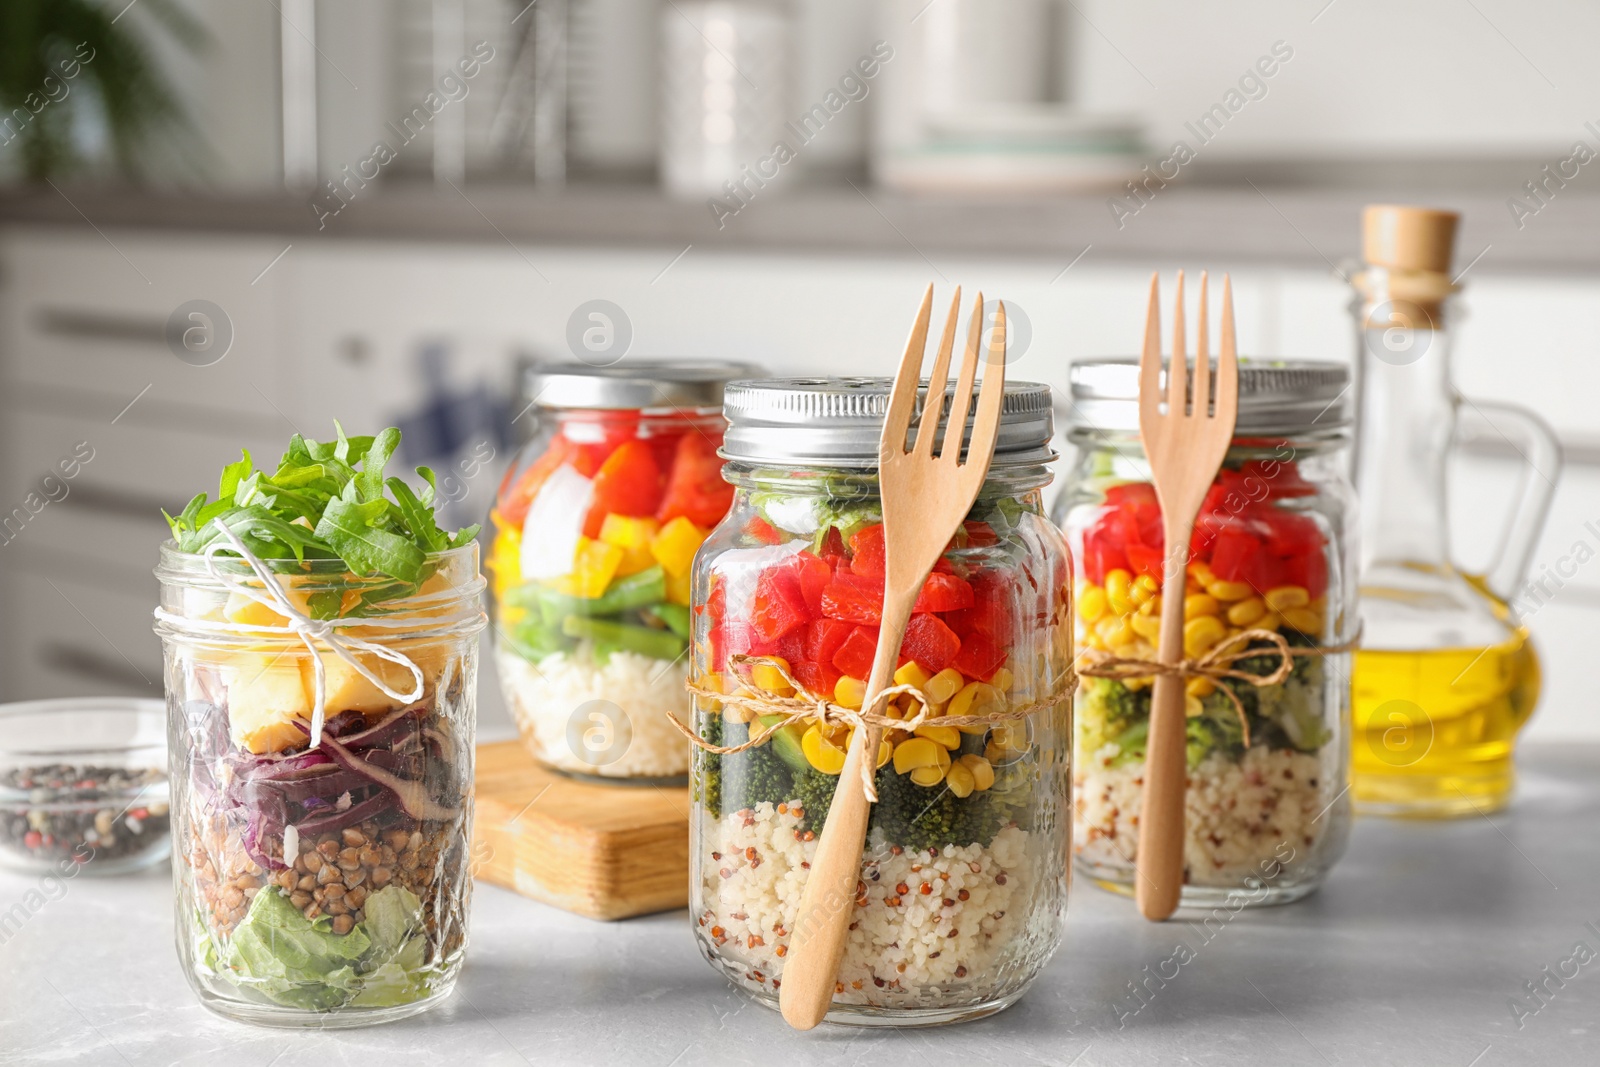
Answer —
(1216, 665)
(310, 631)
(793, 709)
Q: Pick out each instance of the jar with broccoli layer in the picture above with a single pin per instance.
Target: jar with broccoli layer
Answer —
(1269, 593)
(962, 890)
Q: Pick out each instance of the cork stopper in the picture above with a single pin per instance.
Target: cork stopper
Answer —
(1409, 249)
(1401, 237)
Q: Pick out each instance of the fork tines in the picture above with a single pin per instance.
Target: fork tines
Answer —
(908, 380)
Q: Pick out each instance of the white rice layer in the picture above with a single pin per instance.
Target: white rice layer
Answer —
(1240, 814)
(924, 921)
(607, 719)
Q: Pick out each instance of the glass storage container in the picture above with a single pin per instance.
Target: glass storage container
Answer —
(963, 878)
(320, 886)
(1267, 809)
(595, 528)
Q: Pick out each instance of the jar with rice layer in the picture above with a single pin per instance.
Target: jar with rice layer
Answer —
(595, 528)
(1270, 592)
(962, 891)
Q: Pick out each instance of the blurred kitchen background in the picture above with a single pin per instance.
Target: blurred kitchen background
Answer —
(222, 221)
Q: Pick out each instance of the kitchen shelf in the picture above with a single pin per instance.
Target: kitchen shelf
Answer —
(1290, 224)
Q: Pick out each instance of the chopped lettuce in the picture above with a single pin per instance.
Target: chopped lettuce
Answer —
(301, 963)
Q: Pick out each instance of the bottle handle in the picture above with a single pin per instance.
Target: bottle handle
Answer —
(1540, 451)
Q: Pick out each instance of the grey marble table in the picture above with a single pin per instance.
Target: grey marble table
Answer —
(1414, 953)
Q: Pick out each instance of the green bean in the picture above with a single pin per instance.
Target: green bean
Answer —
(657, 644)
(674, 616)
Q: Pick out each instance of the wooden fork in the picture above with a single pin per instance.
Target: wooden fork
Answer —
(925, 499)
(1185, 446)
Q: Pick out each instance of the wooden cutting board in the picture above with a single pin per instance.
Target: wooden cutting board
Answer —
(603, 851)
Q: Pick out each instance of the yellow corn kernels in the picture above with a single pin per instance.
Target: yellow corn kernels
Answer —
(1229, 591)
(1270, 621)
(1198, 604)
(1124, 634)
(1246, 612)
(849, 692)
(766, 676)
(1287, 596)
(1201, 572)
(1147, 627)
(960, 780)
(918, 752)
(1200, 687)
(944, 685)
(1119, 589)
(1192, 706)
(928, 776)
(982, 770)
(821, 753)
(948, 736)
(975, 698)
(1133, 685)
(1002, 680)
(911, 673)
(1151, 606)
(1091, 603)
(1144, 587)
(1200, 634)
(885, 751)
(1305, 620)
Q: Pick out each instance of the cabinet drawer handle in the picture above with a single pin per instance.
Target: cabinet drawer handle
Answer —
(102, 326)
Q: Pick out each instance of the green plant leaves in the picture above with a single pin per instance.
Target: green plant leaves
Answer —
(327, 500)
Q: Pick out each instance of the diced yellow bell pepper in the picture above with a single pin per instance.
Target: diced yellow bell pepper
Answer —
(635, 560)
(678, 588)
(626, 531)
(674, 547)
(593, 567)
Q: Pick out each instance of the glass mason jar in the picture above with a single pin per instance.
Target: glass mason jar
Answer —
(963, 883)
(595, 528)
(1267, 810)
(326, 886)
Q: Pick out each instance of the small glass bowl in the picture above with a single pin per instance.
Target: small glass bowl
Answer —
(83, 784)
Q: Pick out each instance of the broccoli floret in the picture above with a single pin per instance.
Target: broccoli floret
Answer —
(920, 817)
(813, 791)
(706, 767)
(749, 777)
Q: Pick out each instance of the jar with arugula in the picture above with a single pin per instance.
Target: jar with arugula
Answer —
(1270, 578)
(595, 528)
(320, 634)
(962, 889)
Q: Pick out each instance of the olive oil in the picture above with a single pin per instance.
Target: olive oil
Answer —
(1434, 728)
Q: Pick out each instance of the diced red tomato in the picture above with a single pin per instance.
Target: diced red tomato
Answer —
(991, 612)
(824, 637)
(817, 678)
(716, 605)
(1309, 570)
(856, 654)
(813, 575)
(854, 599)
(944, 592)
(763, 531)
(695, 487)
(1102, 553)
(833, 548)
(868, 551)
(980, 657)
(779, 606)
(930, 642)
(730, 637)
(792, 646)
(980, 534)
(628, 483)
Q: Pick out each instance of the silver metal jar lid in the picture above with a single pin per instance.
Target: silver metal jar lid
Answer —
(640, 384)
(836, 422)
(1276, 397)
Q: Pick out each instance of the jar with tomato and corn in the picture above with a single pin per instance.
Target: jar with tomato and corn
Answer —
(595, 528)
(962, 889)
(1267, 809)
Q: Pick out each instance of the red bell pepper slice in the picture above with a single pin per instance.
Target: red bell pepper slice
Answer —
(1145, 560)
(824, 637)
(930, 642)
(856, 654)
(779, 606)
(761, 530)
(980, 657)
(817, 678)
(854, 599)
(812, 574)
(695, 487)
(868, 551)
(515, 501)
(944, 592)
(628, 483)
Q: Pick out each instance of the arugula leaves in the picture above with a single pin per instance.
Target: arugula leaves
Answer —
(327, 500)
